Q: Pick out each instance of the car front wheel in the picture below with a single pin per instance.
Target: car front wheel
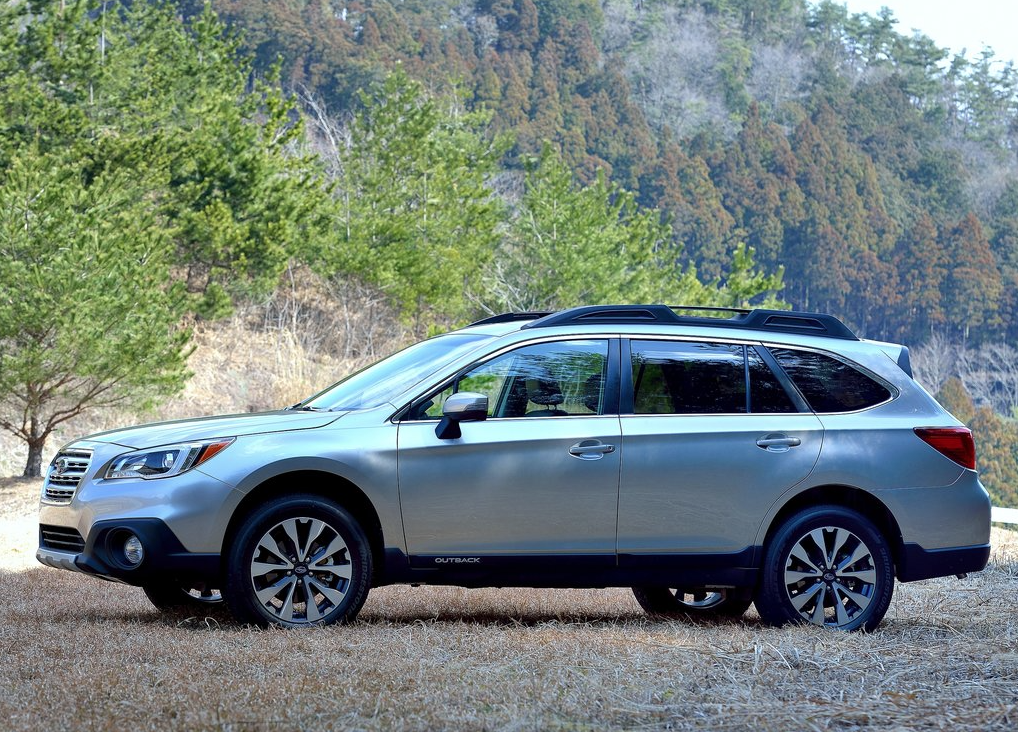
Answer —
(194, 598)
(829, 566)
(298, 561)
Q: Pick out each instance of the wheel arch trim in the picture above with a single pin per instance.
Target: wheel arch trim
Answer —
(317, 476)
(856, 499)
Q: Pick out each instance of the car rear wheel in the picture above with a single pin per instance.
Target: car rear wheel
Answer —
(829, 566)
(298, 561)
(694, 603)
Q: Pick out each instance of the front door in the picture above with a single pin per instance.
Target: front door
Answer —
(534, 483)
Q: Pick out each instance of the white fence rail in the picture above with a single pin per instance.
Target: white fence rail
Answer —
(1004, 515)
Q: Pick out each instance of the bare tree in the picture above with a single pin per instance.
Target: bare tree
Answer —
(324, 134)
(676, 76)
(974, 376)
(934, 362)
(990, 374)
(620, 21)
(1005, 360)
(778, 74)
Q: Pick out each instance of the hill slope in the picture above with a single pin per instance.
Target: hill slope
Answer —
(879, 171)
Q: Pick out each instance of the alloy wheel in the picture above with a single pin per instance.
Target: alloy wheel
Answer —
(203, 594)
(301, 570)
(830, 576)
(701, 599)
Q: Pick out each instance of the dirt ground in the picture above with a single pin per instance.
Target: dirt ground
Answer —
(81, 654)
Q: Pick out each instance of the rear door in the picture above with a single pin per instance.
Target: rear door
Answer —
(712, 436)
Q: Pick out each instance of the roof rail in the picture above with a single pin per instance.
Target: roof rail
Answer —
(711, 309)
(508, 318)
(773, 321)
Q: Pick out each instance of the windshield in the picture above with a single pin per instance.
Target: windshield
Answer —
(380, 382)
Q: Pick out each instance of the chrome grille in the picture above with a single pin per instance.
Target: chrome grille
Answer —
(65, 473)
(61, 538)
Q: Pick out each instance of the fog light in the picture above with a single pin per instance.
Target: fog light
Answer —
(134, 552)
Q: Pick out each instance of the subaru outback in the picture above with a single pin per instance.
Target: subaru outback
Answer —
(708, 460)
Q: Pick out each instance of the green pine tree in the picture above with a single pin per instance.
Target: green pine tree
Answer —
(87, 315)
(573, 244)
(418, 216)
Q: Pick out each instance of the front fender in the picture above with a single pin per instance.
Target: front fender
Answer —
(364, 456)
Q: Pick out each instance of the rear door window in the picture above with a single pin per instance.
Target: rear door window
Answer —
(767, 395)
(828, 384)
(674, 377)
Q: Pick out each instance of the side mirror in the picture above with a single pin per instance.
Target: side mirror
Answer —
(465, 406)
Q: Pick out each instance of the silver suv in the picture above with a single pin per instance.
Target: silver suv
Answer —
(705, 460)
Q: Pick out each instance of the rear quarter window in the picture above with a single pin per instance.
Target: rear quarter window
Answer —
(828, 384)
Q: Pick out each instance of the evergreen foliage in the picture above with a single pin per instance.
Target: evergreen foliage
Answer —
(86, 317)
(421, 219)
(148, 174)
(579, 244)
(575, 244)
(417, 216)
(143, 175)
(128, 87)
(491, 154)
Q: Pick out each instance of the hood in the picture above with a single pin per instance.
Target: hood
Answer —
(230, 425)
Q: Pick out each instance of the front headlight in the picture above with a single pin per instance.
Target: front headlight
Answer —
(165, 461)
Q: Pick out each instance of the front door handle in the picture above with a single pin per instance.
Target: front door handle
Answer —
(778, 443)
(591, 450)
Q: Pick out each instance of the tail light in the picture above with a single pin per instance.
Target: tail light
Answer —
(952, 442)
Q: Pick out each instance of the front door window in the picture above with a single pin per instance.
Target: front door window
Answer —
(557, 379)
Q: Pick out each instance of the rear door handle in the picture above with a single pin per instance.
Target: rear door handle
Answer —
(778, 443)
(591, 450)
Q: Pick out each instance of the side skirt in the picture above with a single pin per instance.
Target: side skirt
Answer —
(729, 569)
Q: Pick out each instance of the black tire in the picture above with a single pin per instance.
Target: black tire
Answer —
(827, 565)
(329, 563)
(692, 603)
(197, 598)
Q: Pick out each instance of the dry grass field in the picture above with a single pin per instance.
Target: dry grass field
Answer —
(82, 654)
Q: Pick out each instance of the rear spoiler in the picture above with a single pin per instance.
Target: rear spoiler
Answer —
(898, 354)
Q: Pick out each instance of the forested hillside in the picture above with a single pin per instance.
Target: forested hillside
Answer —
(878, 171)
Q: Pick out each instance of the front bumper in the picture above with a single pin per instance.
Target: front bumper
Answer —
(180, 522)
(165, 557)
(195, 506)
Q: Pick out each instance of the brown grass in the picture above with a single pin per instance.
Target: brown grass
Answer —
(79, 653)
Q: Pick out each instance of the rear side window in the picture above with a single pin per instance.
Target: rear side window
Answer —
(830, 385)
(768, 396)
(688, 378)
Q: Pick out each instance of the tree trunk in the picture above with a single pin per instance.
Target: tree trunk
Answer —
(33, 466)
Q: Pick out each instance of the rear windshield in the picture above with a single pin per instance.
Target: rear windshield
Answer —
(830, 385)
